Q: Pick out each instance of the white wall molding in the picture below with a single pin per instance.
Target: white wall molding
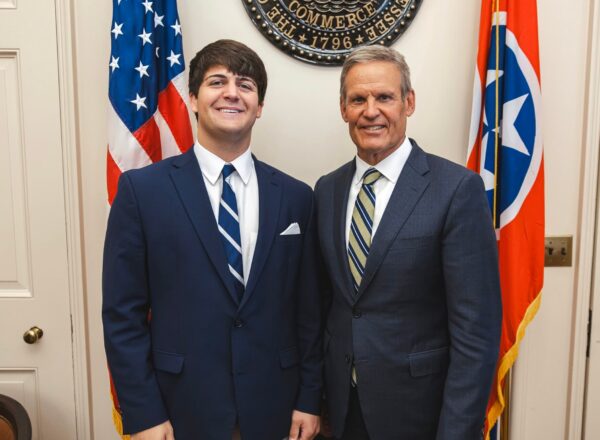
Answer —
(68, 112)
(586, 242)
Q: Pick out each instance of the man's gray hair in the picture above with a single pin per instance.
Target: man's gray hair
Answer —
(367, 54)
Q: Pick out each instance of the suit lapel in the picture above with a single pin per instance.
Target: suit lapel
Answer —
(269, 201)
(188, 181)
(411, 184)
(340, 203)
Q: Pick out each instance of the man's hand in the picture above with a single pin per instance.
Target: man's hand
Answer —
(304, 426)
(164, 431)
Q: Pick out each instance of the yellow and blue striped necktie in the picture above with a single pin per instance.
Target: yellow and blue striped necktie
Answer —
(361, 227)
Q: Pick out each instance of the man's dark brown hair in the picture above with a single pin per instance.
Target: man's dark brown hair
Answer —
(238, 58)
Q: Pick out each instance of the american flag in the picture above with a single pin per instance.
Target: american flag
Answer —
(148, 117)
(505, 148)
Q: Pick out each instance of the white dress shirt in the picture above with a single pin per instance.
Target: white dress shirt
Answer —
(390, 169)
(245, 186)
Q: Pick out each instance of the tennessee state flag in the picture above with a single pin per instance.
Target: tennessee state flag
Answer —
(505, 148)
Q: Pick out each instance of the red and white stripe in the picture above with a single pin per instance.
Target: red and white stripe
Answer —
(167, 133)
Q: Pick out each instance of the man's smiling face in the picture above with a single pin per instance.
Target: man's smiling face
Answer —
(227, 107)
(375, 110)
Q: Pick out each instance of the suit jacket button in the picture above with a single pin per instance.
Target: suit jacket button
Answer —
(348, 358)
(238, 323)
(356, 313)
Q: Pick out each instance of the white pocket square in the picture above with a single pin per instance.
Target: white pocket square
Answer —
(292, 229)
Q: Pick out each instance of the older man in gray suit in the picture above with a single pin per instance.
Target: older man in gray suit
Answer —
(409, 250)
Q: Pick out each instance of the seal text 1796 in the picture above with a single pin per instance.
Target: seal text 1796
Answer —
(325, 31)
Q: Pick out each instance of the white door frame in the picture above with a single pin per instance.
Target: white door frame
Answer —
(68, 115)
(587, 243)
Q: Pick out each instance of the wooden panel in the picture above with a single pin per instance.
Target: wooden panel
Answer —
(14, 250)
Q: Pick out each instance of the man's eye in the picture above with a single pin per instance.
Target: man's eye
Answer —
(247, 86)
(216, 82)
(385, 98)
(357, 100)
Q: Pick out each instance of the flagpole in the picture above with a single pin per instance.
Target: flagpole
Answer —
(505, 417)
(495, 219)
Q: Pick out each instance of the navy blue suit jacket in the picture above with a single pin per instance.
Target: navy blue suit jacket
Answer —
(205, 360)
(423, 330)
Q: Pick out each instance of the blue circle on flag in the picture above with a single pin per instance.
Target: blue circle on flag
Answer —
(516, 120)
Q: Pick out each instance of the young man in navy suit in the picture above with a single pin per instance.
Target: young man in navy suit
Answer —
(219, 247)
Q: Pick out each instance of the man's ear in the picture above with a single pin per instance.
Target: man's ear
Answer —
(260, 109)
(343, 108)
(194, 103)
(410, 102)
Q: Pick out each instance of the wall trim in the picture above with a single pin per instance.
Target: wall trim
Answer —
(586, 242)
(71, 179)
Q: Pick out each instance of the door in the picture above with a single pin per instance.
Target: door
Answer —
(34, 287)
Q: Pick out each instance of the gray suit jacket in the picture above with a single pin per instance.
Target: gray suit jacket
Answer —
(423, 330)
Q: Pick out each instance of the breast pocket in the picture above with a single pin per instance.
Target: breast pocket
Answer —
(289, 246)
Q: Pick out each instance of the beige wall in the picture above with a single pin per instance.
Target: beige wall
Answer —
(542, 372)
(301, 132)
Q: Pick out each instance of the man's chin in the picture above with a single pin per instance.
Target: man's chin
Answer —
(371, 147)
(233, 129)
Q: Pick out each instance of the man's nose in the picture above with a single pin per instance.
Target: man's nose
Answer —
(371, 109)
(231, 91)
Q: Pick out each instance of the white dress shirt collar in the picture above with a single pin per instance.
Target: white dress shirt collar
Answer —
(390, 167)
(212, 165)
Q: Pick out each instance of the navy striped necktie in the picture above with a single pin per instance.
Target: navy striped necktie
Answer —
(229, 227)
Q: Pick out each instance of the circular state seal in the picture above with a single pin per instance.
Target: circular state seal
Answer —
(325, 31)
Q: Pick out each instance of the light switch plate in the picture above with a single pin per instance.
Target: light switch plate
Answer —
(558, 251)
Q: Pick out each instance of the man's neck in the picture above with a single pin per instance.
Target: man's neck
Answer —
(228, 151)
